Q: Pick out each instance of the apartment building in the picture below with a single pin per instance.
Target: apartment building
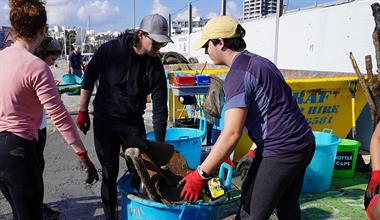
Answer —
(258, 8)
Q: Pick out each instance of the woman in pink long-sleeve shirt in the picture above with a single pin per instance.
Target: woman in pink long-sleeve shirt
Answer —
(26, 87)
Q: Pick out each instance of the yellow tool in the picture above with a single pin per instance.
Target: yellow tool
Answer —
(215, 188)
(352, 86)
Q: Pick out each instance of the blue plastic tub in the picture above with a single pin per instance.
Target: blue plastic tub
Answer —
(187, 141)
(134, 207)
(202, 80)
(68, 79)
(319, 172)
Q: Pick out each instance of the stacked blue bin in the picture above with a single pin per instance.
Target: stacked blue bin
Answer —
(320, 170)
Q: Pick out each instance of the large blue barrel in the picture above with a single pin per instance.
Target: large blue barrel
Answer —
(319, 172)
(187, 141)
(136, 208)
(68, 79)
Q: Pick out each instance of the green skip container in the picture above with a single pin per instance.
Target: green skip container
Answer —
(345, 162)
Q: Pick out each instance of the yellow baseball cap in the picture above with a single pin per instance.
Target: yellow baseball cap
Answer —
(219, 27)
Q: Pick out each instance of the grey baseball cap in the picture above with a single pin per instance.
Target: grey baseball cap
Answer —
(157, 28)
(54, 45)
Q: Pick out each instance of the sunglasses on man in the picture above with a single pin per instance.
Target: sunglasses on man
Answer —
(156, 44)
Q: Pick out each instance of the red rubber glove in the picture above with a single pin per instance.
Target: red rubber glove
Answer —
(373, 185)
(229, 162)
(245, 163)
(83, 121)
(92, 174)
(193, 186)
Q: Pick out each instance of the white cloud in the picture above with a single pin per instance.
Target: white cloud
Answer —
(75, 13)
(211, 15)
(233, 9)
(4, 6)
(184, 16)
(100, 12)
(159, 8)
(57, 2)
(62, 12)
(4, 12)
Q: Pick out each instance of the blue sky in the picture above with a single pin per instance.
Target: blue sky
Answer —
(117, 15)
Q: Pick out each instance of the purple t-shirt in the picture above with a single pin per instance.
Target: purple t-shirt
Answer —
(274, 121)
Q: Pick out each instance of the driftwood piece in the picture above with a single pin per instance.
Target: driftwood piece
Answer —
(166, 167)
(370, 101)
(376, 32)
(134, 154)
(368, 66)
(374, 85)
(376, 44)
(163, 168)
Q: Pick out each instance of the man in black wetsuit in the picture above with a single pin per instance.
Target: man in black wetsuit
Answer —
(128, 70)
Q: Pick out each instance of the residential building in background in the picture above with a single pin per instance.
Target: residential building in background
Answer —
(258, 8)
(88, 40)
(182, 27)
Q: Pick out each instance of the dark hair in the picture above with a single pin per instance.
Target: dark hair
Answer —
(27, 18)
(136, 38)
(43, 50)
(235, 44)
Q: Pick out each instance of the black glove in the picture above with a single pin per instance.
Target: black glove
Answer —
(92, 173)
(245, 163)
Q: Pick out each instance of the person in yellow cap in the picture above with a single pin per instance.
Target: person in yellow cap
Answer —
(257, 98)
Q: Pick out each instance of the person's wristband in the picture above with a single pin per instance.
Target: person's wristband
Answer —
(203, 174)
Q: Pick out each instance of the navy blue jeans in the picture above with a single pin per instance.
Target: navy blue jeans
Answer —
(21, 176)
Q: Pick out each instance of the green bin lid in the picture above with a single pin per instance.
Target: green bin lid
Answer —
(350, 142)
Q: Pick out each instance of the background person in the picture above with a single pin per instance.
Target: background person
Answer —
(257, 98)
(128, 70)
(49, 51)
(21, 102)
(75, 62)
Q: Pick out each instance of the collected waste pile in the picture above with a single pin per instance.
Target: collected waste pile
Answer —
(158, 168)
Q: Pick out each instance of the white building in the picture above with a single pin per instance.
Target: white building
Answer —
(180, 26)
(258, 8)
